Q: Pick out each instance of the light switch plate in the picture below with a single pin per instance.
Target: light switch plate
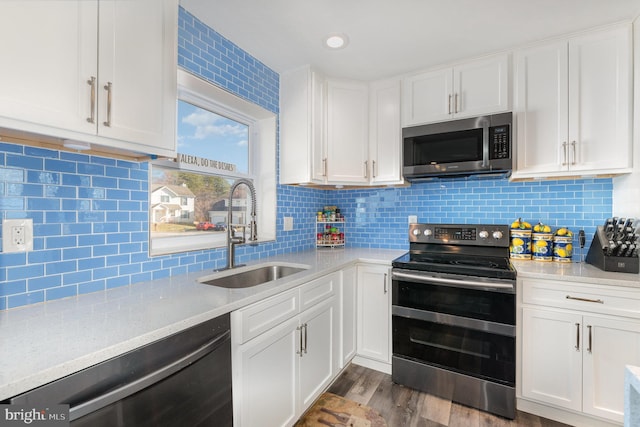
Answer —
(17, 235)
(288, 223)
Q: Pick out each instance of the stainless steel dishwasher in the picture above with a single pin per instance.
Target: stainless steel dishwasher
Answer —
(181, 380)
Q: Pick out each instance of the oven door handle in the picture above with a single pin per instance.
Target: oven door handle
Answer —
(453, 282)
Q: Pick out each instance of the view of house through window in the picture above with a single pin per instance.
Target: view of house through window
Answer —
(190, 197)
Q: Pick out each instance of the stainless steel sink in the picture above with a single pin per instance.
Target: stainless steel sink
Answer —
(252, 276)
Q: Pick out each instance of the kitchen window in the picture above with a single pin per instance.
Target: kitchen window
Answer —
(220, 138)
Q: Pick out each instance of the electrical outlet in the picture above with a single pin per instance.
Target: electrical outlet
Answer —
(413, 219)
(288, 223)
(17, 235)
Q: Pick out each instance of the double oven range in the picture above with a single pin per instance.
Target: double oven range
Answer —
(453, 315)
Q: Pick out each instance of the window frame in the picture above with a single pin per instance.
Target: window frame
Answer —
(261, 161)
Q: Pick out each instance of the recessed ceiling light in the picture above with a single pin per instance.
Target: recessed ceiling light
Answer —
(336, 41)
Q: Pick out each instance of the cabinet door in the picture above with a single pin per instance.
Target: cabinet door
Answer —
(428, 97)
(481, 87)
(265, 378)
(48, 54)
(385, 134)
(302, 153)
(541, 109)
(318, 138)
(347, 132)
(552, 357)
(317, 361)
(348, 315)
(609, 346)
(374, 309)
(138, 59)
(600, 100)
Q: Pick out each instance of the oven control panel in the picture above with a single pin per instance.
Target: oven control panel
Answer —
(460, 234)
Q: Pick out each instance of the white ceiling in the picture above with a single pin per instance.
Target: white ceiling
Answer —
(392, 37)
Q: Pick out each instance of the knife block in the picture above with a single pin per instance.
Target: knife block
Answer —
(597, 257)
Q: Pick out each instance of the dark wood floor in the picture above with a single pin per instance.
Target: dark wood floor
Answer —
(404, 407)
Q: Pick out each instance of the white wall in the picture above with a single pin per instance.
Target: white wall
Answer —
(626, 189)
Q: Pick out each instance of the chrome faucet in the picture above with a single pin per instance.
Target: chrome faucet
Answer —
(233, 240)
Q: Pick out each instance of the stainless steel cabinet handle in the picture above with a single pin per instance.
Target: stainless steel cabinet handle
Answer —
(564, 153)
(449, 104)
(109, 88)
(573, 159)
(92, 82)
(577, 337)
(455, 104)
(373, 168)
(590, 342)
(306, 328)
(598, 301)
(385, 283)
(366, 169)
(324, 167)
(299, 328)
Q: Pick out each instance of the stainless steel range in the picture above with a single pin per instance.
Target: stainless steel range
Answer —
(453, 311)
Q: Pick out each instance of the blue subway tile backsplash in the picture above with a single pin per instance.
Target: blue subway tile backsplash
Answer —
(90, 213)
(379, 217)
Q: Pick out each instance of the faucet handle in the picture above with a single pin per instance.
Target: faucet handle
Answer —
(237, 239)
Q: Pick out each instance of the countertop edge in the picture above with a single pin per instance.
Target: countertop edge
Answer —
(165, 294)
(22, 382)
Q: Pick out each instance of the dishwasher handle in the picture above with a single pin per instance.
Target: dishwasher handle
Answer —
(115, 395)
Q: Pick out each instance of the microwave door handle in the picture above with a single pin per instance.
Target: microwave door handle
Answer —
(485, 143)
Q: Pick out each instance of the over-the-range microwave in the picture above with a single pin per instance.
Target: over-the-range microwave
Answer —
(479, 145)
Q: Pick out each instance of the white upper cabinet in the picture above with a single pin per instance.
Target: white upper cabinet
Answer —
(466, 90)
(49, 55)
(99, 71)
(338, 132)
(347, 132)
(385, 133)
(137, 56)
(302, 153)
(573, 106)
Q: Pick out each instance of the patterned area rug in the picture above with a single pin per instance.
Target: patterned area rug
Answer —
(335, 411)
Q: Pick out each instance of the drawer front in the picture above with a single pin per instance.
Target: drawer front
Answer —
(318, 290)
(249, 322)
(591, 298)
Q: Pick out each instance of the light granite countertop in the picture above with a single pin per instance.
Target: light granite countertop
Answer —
(44, 342)
(574, 272)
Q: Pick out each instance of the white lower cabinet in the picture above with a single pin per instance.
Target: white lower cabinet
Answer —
(374, 316)
(280, 372)
(573, 353)
(611, 344)
(551, 362)
(348, 315)
(264, 386)
(318, 342)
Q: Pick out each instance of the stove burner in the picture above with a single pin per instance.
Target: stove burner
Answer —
(471, 265)
(459, 260)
